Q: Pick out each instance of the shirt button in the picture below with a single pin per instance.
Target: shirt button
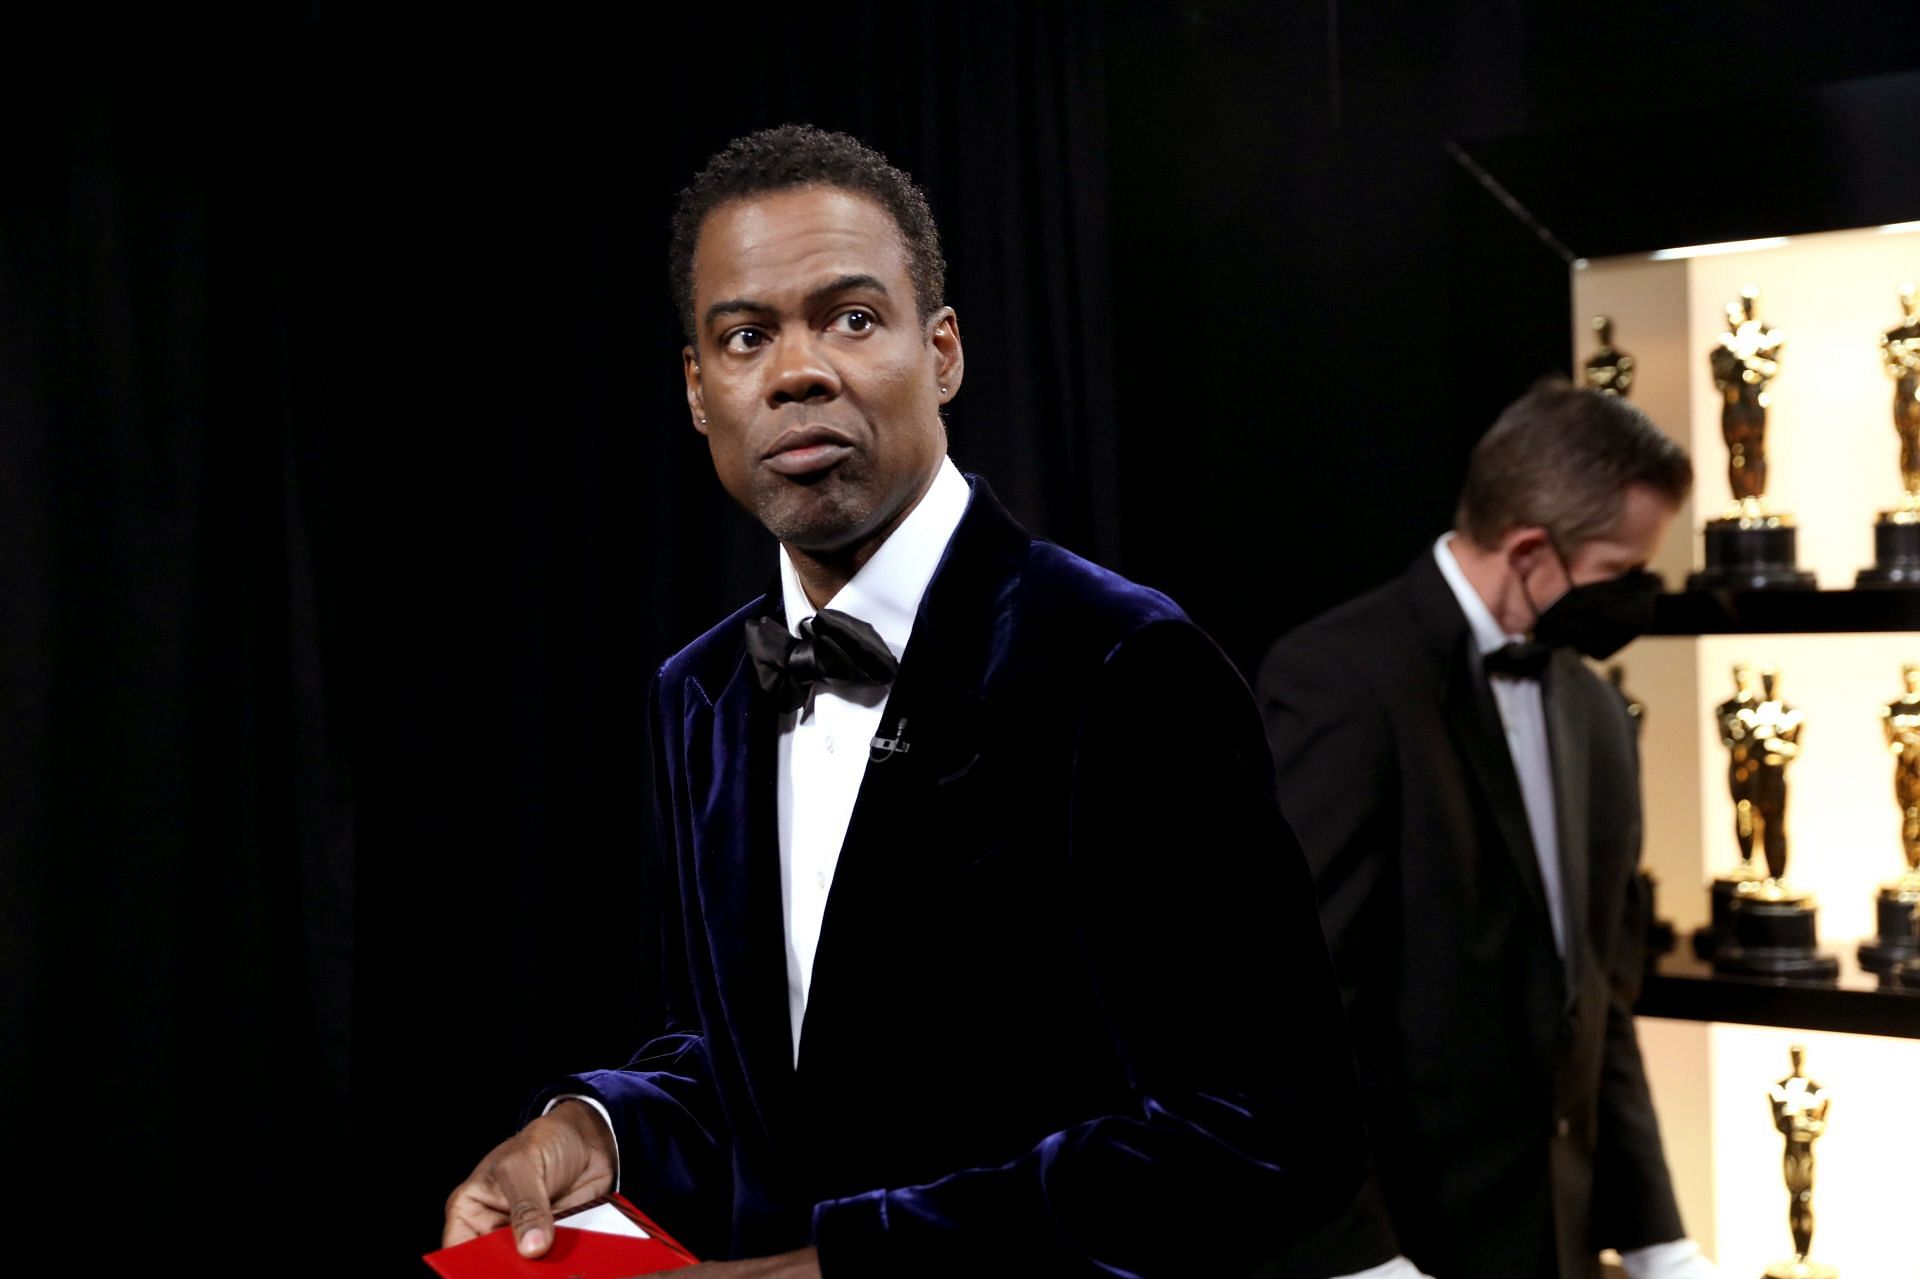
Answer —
(820, 881)
(829, 743)
(1563, 1127)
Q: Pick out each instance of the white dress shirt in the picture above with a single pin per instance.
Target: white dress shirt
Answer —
(1523, 714)
(824, 745)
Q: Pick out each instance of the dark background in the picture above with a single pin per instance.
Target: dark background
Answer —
(348, 500)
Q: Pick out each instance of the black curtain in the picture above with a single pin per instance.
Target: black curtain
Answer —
(176, 820)
(348, 501)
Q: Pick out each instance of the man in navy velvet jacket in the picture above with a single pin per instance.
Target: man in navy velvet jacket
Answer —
(1003, 961)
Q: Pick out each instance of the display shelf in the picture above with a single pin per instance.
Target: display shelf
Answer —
(1787, 612)
(1687, 989)
(1827, 230)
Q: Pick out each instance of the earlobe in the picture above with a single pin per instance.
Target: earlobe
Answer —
(1525, 549)
(949, 356)
(696, 401)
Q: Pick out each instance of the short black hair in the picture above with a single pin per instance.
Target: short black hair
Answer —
(1562, 457)
(800, 155)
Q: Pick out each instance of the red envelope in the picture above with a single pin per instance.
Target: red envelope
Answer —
(576, 1254)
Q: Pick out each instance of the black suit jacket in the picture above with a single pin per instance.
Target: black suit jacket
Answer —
(1504, 1089)
(1071, 1012)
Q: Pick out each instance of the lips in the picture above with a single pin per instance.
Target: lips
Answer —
(807, 450)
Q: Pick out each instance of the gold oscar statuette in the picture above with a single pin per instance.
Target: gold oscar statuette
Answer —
(1739, 733)
(1744, 364)
(1769, 925)
(1900, 349)
(1776, 744)
(1800, 1113)
(1902, 718)
(1897, 903)
(1608, 370)
(1896, 534)
(1735, 718)
(1751, 547)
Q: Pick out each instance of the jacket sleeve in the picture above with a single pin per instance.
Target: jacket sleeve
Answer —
(667, 1119)
(1633, 1204)
(1338, 782)
(1193, 913)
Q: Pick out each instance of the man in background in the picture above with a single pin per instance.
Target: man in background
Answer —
(1467, 793)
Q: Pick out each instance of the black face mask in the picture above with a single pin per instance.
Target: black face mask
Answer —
(1600, 618)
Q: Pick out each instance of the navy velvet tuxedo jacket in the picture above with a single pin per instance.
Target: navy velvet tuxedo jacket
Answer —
(1071, 1011)
(1512, 1129)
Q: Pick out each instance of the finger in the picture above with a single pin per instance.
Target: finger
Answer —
(583, 1192)
(579, 1152)
(472, 1210)
(523, 1183)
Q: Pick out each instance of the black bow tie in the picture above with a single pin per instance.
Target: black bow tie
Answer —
(1519, 661)
(833, 647)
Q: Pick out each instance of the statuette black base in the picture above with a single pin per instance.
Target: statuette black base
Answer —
(1662, 937)
(1899, 939)
(1660, 934)
(1774, 938)
(1896, 552)
(1721, 892)
(1751, 554)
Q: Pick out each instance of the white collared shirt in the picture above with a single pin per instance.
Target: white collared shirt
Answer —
(824, 745)
(1523, 715)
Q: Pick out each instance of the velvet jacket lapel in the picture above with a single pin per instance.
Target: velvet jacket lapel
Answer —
(1569, 738)
(730, 754)
(955, 657)
(1473, 720)
(960, 638)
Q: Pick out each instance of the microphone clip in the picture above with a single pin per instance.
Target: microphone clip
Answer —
(882, 749)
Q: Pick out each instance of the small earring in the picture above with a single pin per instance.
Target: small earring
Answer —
(943, 390)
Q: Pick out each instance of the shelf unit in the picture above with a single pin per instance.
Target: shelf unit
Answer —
(1679, 986)
(1542, 239)
(1684, 988)
(1787, 612)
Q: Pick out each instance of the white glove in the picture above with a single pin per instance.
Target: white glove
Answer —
(1398, 1268)
(1680, 1259)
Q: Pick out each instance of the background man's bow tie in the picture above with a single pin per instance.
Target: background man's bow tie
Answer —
(832, 647)
(1519, 661)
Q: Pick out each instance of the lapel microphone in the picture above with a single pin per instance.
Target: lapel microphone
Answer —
(882, 749)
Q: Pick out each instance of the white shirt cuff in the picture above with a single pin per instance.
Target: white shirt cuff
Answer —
(605, 1118)
(1398, 1268)
(1680, 1259)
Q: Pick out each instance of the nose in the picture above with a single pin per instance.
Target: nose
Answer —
(800, 372)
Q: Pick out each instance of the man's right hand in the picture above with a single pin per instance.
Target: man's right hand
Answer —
(561, 1160)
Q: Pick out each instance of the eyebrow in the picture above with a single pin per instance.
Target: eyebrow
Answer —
(843, 284)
